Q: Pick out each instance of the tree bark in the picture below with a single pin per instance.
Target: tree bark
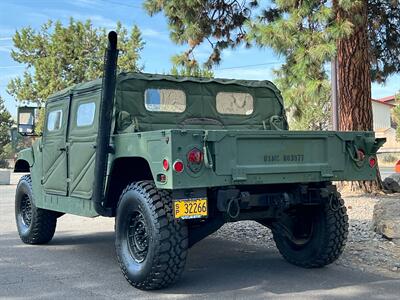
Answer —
(354, 81)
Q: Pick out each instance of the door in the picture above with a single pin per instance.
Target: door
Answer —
(82, 140)
(54, 148)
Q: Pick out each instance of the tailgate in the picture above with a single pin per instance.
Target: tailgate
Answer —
(295, 156)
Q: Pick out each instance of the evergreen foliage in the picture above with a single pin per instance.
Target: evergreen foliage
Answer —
(396, 115)
(5, 140)
(193, 71)
(57, 56)
(305, 33)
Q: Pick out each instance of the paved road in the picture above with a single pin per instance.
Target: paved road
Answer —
(80, 263)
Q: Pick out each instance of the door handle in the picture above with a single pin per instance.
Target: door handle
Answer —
(63, 149)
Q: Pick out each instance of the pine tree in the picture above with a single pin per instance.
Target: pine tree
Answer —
(305, 33)
(306, 38)
(396, 115)
(57, 56)
(365, 35)
(189, 70)
(5, 141)
(354, 77)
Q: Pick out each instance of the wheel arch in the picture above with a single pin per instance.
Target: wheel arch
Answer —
(125, 170)
(22, 166)
(24, 162)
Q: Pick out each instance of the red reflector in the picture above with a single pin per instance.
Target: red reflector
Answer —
(165, 164)
(178, 166)
(372, 162)
(195, 156)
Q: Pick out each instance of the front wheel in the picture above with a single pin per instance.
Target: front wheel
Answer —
(151, 245)
(35, 225)
(313, 236)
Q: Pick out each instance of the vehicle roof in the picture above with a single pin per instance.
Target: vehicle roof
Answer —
(173, 78)
(96, 84)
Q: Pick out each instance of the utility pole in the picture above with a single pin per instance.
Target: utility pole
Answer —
(335, 104)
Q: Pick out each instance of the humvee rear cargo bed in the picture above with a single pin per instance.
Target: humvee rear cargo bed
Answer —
(256, 157)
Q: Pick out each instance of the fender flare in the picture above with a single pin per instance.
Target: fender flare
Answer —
(24, 161)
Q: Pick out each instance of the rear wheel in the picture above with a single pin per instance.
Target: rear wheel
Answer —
(151, 245)
(313, 236)
(35, 225)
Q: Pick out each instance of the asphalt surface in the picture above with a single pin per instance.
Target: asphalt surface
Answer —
(80, 263)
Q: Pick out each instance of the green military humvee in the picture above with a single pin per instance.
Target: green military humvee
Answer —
(174, 158)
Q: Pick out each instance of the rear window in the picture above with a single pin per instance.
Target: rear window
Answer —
(167, 100)
(54, 120)
(234, 103)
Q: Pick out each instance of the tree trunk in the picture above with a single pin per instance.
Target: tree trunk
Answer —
(354, 81)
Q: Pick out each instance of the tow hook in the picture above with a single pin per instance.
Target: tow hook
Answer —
(233, 208)
(334, 202)
(207, 156)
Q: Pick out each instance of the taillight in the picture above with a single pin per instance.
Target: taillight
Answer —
(372, 162)
(161, 178)
(195, 156)
(165, 164)
(178, 166)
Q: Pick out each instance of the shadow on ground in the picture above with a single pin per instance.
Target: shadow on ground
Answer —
(85, 265)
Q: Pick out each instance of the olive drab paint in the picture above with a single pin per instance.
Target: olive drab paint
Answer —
(248, 143)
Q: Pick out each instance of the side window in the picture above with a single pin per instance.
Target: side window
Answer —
(54, 120)
(167, 100)
(85, 114)
(234, 103)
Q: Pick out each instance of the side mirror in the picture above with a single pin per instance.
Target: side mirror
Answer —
(27, 120)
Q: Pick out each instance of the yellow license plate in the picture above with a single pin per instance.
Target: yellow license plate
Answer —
(190, 208)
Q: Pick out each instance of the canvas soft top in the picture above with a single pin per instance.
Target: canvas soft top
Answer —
(96, 84)
(201, 96)
(157, 77)
(80, 87)
(200, 92)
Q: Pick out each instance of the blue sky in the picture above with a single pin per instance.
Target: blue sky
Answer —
(254, 63)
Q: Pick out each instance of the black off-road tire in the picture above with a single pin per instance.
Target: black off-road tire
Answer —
(156, 261)
(35, 225)
(327, 239)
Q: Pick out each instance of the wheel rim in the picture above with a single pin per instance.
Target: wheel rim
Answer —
(302, 237)
(300, 226)
(138, 239)
(26, 210)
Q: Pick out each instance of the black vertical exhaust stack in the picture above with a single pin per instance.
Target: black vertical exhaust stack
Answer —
(103, 147)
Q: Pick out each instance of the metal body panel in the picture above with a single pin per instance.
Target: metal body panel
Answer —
(240, 150)
(70, 204)
(26, 155)
(251, 157)
(81, 144)
(54, 151)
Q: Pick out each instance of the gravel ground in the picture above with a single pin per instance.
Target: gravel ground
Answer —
(365, 250)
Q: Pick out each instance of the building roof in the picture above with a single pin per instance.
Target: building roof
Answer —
(383, 102)
(387, 99)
